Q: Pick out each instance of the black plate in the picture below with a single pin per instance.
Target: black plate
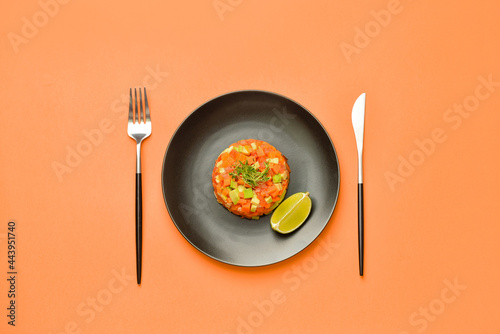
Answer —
(190, 158)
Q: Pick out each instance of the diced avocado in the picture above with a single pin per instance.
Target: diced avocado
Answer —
(248, 193)
(243, 149)
(254, 146)
(255, 200)
(255, 217)
(219, 163)
(274, 160)
(283, 175)
(277, 178)
(256, 165)
(241, 188)
(224, 197)
(235, 197)
(237, 148)
(233, 184)
(253, 208)
(227, 150)
(278, 186)
(269, 199)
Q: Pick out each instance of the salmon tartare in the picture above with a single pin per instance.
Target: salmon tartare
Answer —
(250, 178)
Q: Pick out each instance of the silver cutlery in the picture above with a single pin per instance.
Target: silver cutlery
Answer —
(139, 128)
(358, 123)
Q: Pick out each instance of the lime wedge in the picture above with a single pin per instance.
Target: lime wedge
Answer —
(292, 213)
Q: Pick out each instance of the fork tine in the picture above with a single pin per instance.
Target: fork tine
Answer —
(136, 109)
(141, 114)
(148, 118)
(130, 109)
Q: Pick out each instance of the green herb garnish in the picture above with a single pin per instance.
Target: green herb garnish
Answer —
(249, 174)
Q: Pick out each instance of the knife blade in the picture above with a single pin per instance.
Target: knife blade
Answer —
(358, 124)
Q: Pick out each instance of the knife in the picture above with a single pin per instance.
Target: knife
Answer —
(358, 123)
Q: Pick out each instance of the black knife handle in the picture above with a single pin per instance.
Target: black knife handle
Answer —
(138, 224)
(361, 231)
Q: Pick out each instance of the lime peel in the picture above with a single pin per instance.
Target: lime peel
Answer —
(298, 207)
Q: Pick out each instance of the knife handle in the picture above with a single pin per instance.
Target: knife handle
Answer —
(360, 228)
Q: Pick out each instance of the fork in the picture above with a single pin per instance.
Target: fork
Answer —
(138, 129)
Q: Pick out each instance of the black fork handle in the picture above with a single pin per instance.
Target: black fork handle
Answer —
(138, 224)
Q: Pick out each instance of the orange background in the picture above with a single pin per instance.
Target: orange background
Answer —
(436, 226)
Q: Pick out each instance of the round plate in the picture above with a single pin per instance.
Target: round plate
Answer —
(190, 158)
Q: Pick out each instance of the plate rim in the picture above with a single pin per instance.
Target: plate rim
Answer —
(177, 130)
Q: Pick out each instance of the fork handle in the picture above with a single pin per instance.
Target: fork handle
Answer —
(138, 224)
